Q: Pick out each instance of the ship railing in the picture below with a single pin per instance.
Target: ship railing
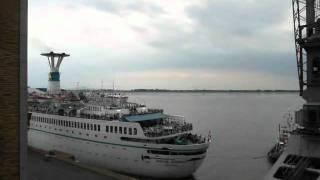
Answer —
(175, 119)
(166, 129)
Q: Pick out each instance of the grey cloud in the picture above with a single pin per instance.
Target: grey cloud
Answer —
(240, 18)
(123, 7)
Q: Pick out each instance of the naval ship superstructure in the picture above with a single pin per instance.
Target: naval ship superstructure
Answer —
(301, 158)
(105, 130)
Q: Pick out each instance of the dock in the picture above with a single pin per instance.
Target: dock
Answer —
(62, 166)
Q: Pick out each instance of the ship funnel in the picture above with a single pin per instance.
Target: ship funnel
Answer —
(54, 60)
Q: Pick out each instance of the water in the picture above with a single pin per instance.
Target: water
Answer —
(244, 127)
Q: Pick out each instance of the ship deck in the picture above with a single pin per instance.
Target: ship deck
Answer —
(302, 154)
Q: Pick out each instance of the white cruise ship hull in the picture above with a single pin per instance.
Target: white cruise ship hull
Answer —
(131, 158)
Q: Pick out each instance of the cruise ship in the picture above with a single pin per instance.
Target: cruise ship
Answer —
(105, 130)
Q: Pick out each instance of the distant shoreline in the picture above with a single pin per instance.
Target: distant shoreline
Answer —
(188, 91)
(214, 91)
(194, 91)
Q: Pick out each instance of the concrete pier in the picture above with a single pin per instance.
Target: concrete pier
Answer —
(62, 167)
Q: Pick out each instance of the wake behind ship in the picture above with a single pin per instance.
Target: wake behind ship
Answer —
(105, 130)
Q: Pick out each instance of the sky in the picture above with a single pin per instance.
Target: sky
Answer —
(164, 44)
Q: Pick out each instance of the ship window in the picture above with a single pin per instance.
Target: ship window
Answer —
(81, 125)
(107, 128)
(135, 131)
(115, 129)
(95, 127)
(91, 127)
(120, 130)
(130, 131)
(88, 126)
(98, 127)
(111, 129)
(125, 130)
(316, 67)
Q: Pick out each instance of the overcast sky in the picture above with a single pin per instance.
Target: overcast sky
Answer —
(167, 44)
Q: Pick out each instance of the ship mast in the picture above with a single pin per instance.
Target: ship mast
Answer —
(307, 41)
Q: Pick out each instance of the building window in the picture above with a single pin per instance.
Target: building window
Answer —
(107, 128)
(120, 130)
(130, 131)
(115, 129)
(135, 132)
(125, 130)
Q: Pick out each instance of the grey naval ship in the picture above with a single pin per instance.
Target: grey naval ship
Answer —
(301, 158)
(105, 130)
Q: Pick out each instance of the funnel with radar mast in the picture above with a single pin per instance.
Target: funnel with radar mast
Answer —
(54, 60)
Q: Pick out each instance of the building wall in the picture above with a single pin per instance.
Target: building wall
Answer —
(11, 89)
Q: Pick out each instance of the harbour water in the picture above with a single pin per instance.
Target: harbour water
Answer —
(243, 125)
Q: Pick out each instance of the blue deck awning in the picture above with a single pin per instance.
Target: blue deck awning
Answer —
(144, 117)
